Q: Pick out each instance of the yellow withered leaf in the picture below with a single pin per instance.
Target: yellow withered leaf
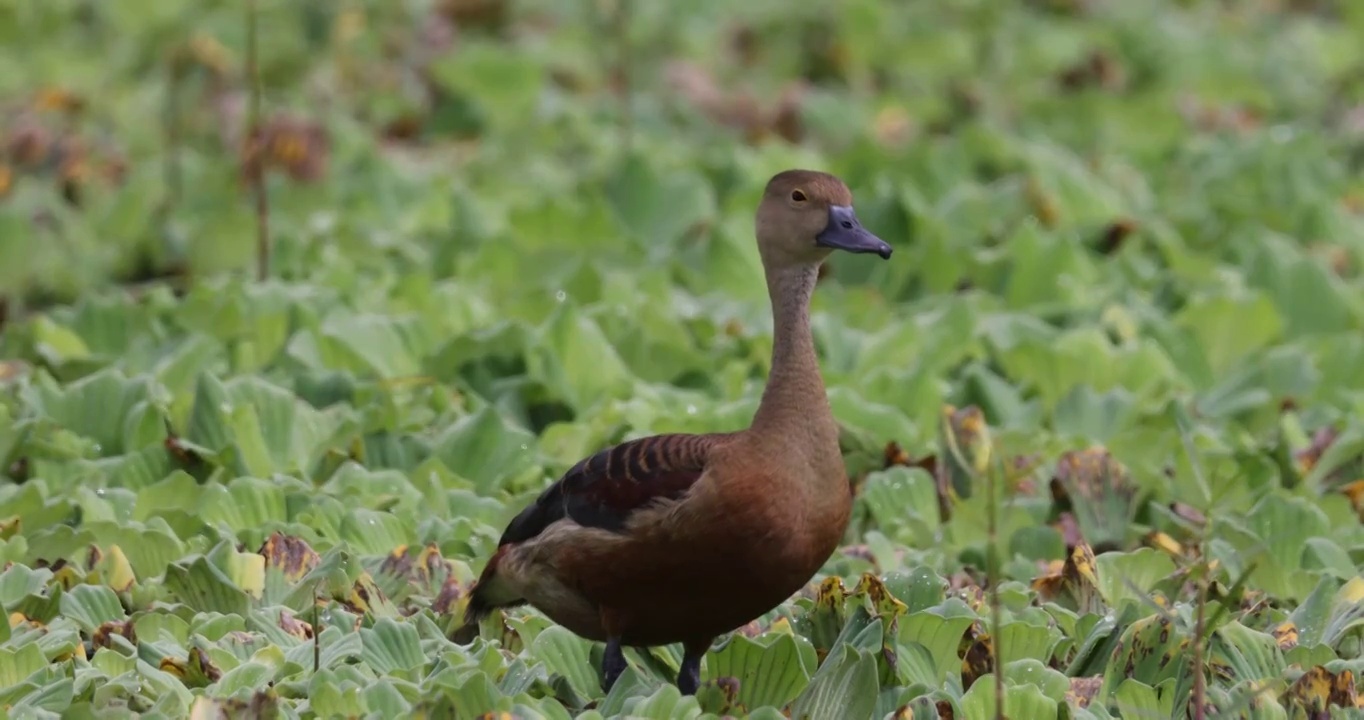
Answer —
(1074, 578)
(419, 568)
(1286, 634)
(247, 570)
(1352, 591)
(68, 576)
(1083, 558)
(882, 601)
(831, 592)
(366, 598)
(113, 569)
(174, 666)
(1163, 542)
(1319, 689)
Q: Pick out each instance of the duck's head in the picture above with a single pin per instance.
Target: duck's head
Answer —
(805, 215)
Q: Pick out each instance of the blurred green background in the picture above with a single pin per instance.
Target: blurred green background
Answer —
(506, 233)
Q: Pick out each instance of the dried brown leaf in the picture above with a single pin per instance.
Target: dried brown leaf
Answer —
(292, 625)
(1355, 492)
(290, 555)
(448, 598)
(1083, 690)
(1307, 458)
(1115, 234)
(100, 638)
(295, 145)
(1097, 70)
(978, 658)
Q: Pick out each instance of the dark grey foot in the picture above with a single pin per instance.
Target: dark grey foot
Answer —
(612, 664)
(689, 673)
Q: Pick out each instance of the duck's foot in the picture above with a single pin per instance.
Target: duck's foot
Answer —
(689, 673)
(612, 664)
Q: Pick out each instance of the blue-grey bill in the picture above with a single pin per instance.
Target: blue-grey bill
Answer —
(844, 232)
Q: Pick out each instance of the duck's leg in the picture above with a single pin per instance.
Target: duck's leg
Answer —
(689, 673)
(612, 663)
(613, 622)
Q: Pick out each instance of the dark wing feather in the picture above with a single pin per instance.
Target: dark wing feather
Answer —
(603, 490)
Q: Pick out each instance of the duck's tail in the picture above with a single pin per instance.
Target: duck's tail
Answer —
(489, 593)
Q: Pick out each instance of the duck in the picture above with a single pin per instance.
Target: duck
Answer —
(684, 537)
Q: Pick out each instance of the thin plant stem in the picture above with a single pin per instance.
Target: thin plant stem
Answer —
(317, 635)
(992, 572)
(256, 161)
(1199, 690)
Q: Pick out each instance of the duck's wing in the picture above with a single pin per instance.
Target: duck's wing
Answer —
(601, 491)
(605, 489)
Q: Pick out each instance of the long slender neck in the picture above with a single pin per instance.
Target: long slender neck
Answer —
(794, 405)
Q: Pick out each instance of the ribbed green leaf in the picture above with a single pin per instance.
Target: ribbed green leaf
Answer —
(844, 686)
(91, 606)
(769, 670)
(390, 646)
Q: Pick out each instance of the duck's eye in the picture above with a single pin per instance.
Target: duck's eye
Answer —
(798, 196)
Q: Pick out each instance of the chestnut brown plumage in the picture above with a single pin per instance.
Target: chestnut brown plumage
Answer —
(682, 537)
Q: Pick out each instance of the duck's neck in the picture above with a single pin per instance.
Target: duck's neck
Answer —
(794, 406)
